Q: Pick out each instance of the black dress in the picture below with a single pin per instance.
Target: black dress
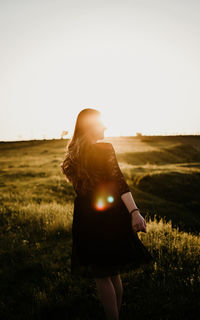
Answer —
(103, 241)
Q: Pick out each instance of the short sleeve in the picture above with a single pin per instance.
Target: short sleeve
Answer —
(113, 171)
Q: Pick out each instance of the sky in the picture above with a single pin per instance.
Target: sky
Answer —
(137, 62)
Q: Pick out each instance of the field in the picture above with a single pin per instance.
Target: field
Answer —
(36, 214)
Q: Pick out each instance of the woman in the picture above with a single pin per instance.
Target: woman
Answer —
(105, 219)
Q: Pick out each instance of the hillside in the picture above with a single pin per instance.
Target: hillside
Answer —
(36, 215)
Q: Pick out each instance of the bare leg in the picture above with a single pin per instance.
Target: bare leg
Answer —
(117, 283)
(107, 295)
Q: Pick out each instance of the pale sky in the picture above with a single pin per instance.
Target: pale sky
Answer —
(137, 62)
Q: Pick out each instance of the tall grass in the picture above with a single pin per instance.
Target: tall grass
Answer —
(36, 217)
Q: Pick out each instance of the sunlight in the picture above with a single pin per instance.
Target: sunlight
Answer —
(124, 122)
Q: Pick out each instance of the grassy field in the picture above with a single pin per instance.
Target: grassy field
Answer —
(36, 214)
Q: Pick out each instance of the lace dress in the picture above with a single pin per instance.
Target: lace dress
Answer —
(103, 241)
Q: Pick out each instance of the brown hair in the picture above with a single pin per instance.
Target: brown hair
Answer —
(74, 165)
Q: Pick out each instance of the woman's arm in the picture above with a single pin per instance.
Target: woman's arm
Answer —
(129, 201)
(138, 222)
(122, 189)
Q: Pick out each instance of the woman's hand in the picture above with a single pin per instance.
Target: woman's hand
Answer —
(138, 222)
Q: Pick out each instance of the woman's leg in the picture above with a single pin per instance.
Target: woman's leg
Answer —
(117, 283)
(108, 297)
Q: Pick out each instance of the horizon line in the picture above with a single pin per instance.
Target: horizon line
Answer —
(111, 137)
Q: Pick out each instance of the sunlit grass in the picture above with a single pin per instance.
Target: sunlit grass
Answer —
(36, 215)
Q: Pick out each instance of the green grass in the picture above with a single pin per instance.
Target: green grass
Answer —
(35, 231)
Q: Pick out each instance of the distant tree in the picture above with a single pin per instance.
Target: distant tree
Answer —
(64, 133)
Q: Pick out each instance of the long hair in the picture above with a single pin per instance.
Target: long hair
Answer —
(74, 165)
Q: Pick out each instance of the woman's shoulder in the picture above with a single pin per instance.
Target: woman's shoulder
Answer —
(100, 151)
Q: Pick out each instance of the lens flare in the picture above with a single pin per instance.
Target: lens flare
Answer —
(110, 199)
(100, 204)
(103, 202)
